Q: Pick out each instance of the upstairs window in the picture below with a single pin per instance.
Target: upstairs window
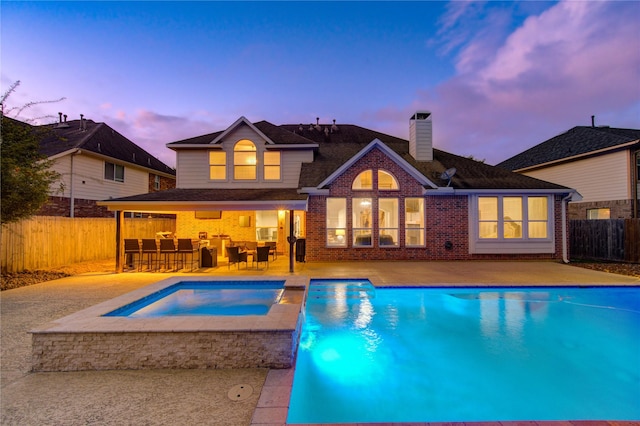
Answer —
(272, 165)
(156, 182)
(386, 181)
(244, 160)
(217, 165)
(363, 181)
(114, 172)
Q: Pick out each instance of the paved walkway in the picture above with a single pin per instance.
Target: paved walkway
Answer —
(177, 397)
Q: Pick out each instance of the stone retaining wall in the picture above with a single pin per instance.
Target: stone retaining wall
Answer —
(60, 351)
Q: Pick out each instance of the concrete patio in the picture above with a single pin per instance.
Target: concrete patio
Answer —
(170, 397)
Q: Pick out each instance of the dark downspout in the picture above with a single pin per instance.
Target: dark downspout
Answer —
(119, 241)
(292, 241)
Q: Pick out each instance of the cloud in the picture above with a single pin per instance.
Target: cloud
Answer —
(546, 76)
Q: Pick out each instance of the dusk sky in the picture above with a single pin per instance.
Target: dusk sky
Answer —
(499, 77)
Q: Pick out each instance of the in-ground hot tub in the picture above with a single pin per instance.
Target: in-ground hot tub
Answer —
(97, 339)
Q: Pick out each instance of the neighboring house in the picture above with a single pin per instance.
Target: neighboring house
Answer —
(601, 163)
(356, 194)
(96, 163)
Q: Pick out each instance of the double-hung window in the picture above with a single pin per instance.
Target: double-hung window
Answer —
(362, 220)
(414, 222)
(271, 165)
(114, 172)
(217, 165)
(388, 222)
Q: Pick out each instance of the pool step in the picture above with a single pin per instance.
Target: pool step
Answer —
(329, 290)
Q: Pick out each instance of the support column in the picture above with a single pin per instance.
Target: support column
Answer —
(292, 242)
(119, 242)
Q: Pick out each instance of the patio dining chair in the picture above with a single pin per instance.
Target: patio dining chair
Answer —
(236, 256)
(262, 255)
(273, 248)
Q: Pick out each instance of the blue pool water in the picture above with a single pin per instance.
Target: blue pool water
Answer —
(466, 354)
(206, 298)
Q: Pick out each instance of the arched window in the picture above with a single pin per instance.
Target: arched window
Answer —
(363, 181)
(386, 180)
(244, 160)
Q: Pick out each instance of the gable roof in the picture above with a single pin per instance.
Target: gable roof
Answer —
(99, 139)
(579, 141)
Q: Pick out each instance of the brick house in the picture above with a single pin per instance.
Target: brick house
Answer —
(96, 162)
(356, 194)
(602, 163)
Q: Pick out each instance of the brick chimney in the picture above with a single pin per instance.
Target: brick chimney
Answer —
(421, 136)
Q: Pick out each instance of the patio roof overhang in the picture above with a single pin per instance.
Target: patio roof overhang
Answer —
(177, 200)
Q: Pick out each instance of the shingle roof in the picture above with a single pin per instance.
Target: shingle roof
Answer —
(577, 141)
(195, 195)
(334, 149)
(101, 139)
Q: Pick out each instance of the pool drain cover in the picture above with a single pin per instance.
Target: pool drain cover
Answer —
(240, 392)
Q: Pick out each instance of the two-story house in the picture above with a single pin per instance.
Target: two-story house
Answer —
(356, 194)
(601, 163)
(95, 163)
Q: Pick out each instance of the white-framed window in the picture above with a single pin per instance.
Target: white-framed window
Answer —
(388, 222)
(266, 225)
(272, 165)
(217, 165)
(511, 224)
(387, 181)
(114, 172)
(414, 231)
(156, 182)
(513, 217)
(244, 160)
(362, 221)
(336, 222)
(363, 181)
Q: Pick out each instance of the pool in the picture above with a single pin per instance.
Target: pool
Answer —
(187, 298)
(466, 354)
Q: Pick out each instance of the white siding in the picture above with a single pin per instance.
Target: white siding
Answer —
(601, 178)
(89, 183)
(193, 165)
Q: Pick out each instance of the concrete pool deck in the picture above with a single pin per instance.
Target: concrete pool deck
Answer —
(169, 397)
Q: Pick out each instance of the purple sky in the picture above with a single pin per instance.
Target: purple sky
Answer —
(499, 77)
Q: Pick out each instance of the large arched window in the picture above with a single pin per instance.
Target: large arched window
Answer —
(364, 181)
(244, 160)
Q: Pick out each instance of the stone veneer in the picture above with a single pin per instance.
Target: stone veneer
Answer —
(87, 340)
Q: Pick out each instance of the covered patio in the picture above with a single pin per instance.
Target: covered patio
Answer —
(219, 218)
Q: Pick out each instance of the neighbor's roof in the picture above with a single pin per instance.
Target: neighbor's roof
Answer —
(100, 139)
(580, 140)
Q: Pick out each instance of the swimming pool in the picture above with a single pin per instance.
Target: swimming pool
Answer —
(466, 354)
(187, 298)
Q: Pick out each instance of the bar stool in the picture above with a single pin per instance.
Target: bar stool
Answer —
(167, 248)
(150, 249)
(186, 247)
(131, 248)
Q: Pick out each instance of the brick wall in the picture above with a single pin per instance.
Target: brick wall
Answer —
(447, 221)
(619, 209)
(165, 183)
(61, 206)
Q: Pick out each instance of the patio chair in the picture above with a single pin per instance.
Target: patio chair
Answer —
(150, 249)
(262, 255)
(236, 256)
(131, 248)
(273, 248)
(187, 247)
(168, 249)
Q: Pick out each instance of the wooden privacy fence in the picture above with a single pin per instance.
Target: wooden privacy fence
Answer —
(610, 240)
(44, 242)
